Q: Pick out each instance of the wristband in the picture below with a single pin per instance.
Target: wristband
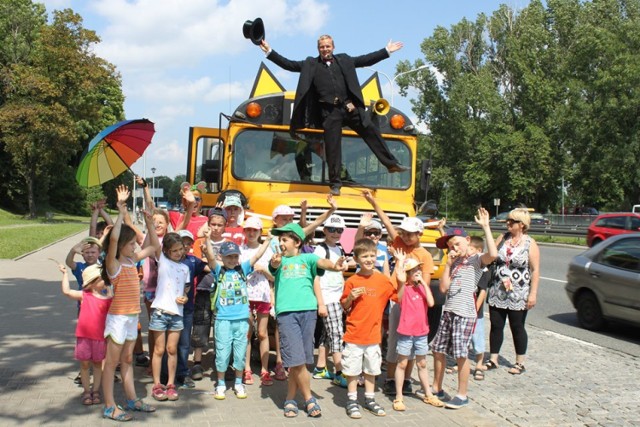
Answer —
(144, 183)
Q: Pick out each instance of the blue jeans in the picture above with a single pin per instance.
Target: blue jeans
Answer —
(183, 349)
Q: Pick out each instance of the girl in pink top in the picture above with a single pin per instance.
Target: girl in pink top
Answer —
(414, 297)
(90, 343)
(121, 326)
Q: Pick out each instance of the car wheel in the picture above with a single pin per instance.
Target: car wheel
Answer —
(595, 242)
(589, 311)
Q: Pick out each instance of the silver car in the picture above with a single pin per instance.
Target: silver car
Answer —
(604, 282)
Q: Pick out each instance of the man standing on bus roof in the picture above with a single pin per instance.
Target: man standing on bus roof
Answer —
(328, 96)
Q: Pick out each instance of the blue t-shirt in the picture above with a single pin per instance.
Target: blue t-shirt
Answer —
(233, 300)
(196, 268)
(77, 273)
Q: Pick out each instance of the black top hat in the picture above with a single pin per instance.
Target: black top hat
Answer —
(254, 30)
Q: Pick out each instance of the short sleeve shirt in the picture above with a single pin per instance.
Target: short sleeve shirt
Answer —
(294, 283)
(464, 273)
(233, 300)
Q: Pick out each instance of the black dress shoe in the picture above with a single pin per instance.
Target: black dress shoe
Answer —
(335, 190)
(398, 168)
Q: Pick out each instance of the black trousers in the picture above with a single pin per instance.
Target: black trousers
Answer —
(334, 118)
(498, 317)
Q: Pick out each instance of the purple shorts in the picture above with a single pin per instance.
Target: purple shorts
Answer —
(90, 350)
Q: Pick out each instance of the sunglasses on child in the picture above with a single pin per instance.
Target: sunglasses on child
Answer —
(334, 230)
(198, 199)
(372, 233)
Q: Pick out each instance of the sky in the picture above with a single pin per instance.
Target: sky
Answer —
(183, 62)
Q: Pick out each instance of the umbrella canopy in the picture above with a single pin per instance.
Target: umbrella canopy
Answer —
(113, 151)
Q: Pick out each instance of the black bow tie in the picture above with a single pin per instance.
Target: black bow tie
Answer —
(328, 61)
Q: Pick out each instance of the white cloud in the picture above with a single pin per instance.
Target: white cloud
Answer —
(170, 151)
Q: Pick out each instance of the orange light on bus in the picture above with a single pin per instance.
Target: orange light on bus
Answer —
(397, 121)
(254, 110)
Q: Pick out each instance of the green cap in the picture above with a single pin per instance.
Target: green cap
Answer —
(292, 226)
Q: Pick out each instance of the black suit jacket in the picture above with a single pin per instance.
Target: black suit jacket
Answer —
(306, 111)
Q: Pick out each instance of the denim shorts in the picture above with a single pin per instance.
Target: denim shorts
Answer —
(411, 346)
(478, 339)
(163, 321)
(296, 337)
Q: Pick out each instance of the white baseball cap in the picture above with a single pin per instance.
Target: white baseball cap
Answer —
(282, 210)
(412, 225)
(335, 221)
(253, 222)
(374, 224)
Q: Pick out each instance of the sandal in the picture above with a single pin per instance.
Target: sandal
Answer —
(353, 410)
(373, 407)
(280, 373)
(478, 375)
(290, 408)
(87, 399)
(110, 413)
(314, 411)
(96, 399)
(132, 405)
(247, 377)
(517, 369)
(451, 370)
(398, 405)
(490, 365)
(433, 401)
(265, 379)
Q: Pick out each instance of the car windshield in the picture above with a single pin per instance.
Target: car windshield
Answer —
(266, 155)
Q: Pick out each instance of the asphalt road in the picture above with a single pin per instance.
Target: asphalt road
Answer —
(555, 313)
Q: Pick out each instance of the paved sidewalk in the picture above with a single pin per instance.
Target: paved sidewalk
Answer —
(568, 382)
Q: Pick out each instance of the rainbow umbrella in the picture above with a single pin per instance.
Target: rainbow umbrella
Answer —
(113, 151)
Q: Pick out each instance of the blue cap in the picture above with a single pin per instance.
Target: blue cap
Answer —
(229, 248)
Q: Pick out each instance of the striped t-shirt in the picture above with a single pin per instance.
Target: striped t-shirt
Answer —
(465, 274)
(126, 290)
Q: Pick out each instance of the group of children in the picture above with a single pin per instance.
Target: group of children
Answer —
(216, 272)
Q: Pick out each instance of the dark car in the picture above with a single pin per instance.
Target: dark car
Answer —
(501, 217)
(539, 219)
(612, 224)
(604, 282)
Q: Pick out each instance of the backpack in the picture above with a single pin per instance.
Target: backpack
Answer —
(216, 284)
(326, 249)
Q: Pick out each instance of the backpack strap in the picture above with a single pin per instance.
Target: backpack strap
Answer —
(326, 249)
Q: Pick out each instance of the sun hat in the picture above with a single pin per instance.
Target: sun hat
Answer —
(253, 222)
(410, 264)
(232, 200)
(90, 274)
(412, 225)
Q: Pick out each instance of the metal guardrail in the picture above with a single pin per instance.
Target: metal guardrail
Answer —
(551, 230)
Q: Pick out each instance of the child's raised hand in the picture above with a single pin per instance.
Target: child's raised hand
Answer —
(482, 218)
(368, 196)
(332, 202)
(400, 257)
(303, 204)
(141, 181)
(276, 260)
(62, 268)
(341, 264)
(122, 193)
(365, 220)
(188, 195)
(206, 231)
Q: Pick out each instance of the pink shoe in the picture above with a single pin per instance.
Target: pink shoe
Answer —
(280, 373)
(172, 393)
(159, 393)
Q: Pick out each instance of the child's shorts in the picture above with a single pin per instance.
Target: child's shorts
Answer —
(333, 330)
(411, 346)
(201, 320)
(121, 327)
(358, 358)
(88, 350)
(296, 337)
(163, 321)
(260, 307)
(478, 340)
(149, 296)
(454, 335)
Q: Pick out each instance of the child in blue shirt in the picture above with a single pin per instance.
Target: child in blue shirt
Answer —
(230, 301)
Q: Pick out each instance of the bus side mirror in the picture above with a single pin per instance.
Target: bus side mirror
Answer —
(425, 175)
(211, 172)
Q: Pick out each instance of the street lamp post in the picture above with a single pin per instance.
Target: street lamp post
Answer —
(446, 199)
(153, 185)
(393, 80)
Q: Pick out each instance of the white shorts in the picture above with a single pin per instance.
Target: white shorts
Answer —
(361, 358)
(121, 327)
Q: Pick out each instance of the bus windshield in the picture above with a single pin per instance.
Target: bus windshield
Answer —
(267, 155)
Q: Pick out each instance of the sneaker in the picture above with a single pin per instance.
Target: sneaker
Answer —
(280, 373)
(240, 392)
(456, 403)
(187, 382)
(159, 392)
(340, 380)
(322, 374)
(171, 392)
(443, 396)
(142, 359)
(219, 395)
(197, 372)
(406, 387)
(247, 377)
(389, 387)
(265, 379)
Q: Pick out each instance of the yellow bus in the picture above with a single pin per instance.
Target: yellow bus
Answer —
(257, 155)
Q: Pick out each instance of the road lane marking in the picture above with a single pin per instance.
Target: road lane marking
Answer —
(553, 280)
(571, 339)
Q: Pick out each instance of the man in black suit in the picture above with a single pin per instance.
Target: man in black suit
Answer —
(328, 96)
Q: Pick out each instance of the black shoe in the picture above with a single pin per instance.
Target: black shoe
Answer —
(398, 168)
(335, 190)
(406, 387)
(389, 387)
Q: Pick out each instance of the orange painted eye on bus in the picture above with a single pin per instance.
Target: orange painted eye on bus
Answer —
(397, 121)
(254, 110)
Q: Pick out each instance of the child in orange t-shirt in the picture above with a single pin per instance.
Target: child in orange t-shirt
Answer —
(407, 239)
(364, 298)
